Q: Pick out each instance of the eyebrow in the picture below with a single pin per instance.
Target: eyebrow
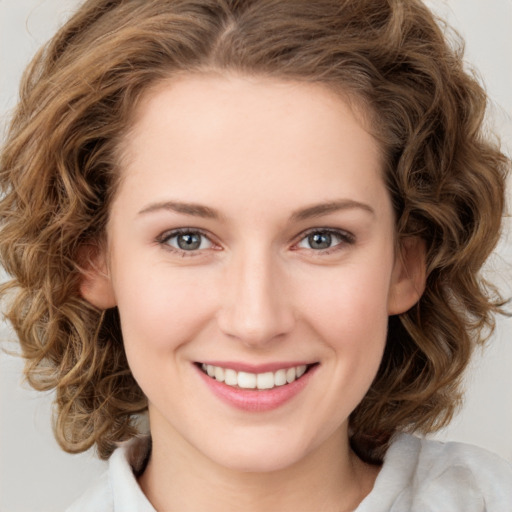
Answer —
(194, 209)
(322, 209)
(318, 210)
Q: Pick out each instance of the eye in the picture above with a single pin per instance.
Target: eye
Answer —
(186, 240)
(324, 239)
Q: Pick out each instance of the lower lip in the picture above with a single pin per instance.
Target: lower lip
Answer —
(255, 400)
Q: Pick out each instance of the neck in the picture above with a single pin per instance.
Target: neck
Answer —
(329, 478)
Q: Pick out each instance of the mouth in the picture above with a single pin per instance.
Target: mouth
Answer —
(255, 381)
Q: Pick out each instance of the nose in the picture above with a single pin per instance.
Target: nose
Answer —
(256, 308)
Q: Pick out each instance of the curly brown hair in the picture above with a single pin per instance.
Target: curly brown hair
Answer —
(60, 166)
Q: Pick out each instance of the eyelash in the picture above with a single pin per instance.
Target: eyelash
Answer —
(345, 237)
(168, 235)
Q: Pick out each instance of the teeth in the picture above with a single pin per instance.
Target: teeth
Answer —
(247, 380)
(265, 380)
(231, 378)
(219, 374)
(280, 378)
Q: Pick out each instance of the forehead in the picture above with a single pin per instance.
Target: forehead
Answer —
(213, 137)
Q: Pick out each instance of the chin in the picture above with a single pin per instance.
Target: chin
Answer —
(258, 458)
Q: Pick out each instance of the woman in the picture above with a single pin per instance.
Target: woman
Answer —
(263, 221)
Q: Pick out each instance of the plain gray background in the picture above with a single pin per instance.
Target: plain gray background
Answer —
(36, 476)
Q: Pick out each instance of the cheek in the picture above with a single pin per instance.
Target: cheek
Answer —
(161, 309)
(160, 313)
(349, 311)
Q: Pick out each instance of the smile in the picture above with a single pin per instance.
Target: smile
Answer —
(255, 389)
(260, 381)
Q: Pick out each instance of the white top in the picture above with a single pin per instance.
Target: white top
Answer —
(418, 475)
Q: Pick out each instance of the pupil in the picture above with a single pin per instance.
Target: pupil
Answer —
(320, 240)
(189, 241)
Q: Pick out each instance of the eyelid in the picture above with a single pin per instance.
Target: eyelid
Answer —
(347, 237)
(164, 237)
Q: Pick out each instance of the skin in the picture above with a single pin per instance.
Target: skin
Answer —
(254, 151)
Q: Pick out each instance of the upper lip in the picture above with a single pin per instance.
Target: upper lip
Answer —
(256, 368)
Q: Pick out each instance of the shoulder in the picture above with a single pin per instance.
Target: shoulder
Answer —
(117, 489)
(98, 497)
(437, 456)
(432, 476)
(462, 473)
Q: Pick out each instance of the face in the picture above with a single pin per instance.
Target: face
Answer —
(251, 239)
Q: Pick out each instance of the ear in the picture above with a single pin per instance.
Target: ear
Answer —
(95, 283)
(409, 276)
